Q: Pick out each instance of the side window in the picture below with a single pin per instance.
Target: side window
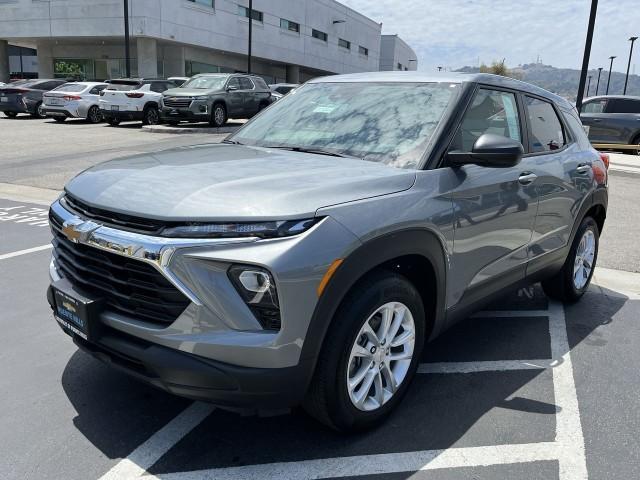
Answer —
(492, 111)
(46, 86)
(96, 90)
(245, 83)
(625, 105)
(546, 132)
(158, 87)
(260, 83)
(234, 82)
(595, 106)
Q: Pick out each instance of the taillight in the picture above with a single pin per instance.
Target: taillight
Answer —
(69, 98)
(605, 159)
(134, 95)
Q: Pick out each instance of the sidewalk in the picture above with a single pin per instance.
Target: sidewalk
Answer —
(611, 282)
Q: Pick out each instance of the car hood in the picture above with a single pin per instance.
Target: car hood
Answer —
(232, 182)
(188, 92)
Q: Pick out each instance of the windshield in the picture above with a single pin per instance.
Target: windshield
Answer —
(390, 123)
(71, 87)
(206, 83)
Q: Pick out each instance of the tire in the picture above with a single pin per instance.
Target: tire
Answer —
(636, 151)
(10, 114)
(329, 398)
(94, 115)
(37, 112)
(114, 122)
(60, 119)
(563, 286)
(218, 115)
(151, 116)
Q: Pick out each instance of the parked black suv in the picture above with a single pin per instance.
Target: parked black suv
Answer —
(613, 121)
(214, 98)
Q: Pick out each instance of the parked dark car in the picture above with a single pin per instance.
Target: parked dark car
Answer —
(309, 257)
(214, 98)
(25, 96)
(613, 122)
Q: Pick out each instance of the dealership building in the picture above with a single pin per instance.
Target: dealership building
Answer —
(293, 40)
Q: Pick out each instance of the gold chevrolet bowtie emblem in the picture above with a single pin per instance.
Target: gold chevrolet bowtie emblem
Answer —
(78, 230)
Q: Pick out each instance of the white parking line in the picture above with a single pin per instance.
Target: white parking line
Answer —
(376, 464)
(488, 366)
(4, 256)
(143, 457)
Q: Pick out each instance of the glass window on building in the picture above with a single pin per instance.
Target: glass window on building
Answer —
(399, 66)
(289, 25)
(319, 35)
(257, 15)
(344, 43)
(363, 51)
(206, 3)
(192, 68)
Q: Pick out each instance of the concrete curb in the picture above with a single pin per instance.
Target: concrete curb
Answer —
(27, 194)
(618, 281)
(189, 129)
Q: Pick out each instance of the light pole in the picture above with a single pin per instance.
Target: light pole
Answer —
(127, 53)
(250, 35)
(587, 54)
(610, 68)
(626, 79)
(588, 85)
(598, 84)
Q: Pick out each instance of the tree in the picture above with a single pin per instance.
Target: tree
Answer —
(499, 68)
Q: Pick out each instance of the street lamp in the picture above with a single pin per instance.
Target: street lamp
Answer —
(250, 35)
(588, 85)
(598, 84)
(127, 53)
(610, 68)
(587, 54)
(626, 79)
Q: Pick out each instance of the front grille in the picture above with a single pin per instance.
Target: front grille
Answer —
(113, 219)
(129, 287)
(176, 102)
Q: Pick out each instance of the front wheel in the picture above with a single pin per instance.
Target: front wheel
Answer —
(570, 283)
(218, 116)
(364, 369)
(94, 115)
(151, 116)
(38, 112)
(10, 114)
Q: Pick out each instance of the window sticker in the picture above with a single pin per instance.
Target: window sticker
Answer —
(324, 108)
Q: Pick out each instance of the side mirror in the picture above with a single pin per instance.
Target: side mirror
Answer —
(490, 150)
(231, 88)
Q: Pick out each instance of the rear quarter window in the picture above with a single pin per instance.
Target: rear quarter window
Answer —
(624, 105)
(545, 128)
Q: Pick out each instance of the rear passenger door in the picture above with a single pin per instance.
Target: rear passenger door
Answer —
(235, 98)
(593, 117)
(494, 208)
(564, 178)
(250, 100)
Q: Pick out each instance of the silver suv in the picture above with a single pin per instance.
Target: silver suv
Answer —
(214, 98)
(310, 257)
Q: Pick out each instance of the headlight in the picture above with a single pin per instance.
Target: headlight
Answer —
(271, 229)
(258, 289)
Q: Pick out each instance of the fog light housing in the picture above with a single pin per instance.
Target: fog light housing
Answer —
(258, 289)
(203, 108)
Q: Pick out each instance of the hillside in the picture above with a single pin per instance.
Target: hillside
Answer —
(564, 81)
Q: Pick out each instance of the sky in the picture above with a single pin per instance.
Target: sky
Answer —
(456, 33)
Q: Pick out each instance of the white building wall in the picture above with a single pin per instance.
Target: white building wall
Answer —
(78, 28)
(395, 54)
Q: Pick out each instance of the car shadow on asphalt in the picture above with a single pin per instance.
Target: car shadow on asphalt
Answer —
(116, 413)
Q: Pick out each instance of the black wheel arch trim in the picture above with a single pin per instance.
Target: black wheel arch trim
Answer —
(370, 255)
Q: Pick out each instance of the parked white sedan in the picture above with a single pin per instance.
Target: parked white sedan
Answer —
(74, 100)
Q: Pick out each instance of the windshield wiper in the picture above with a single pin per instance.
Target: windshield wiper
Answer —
(318, 151)
(232, 142)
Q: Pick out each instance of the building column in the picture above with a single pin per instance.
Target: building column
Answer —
(147, 53)
(293, 74)
(4, 61)
(45, 59)
(173, 61)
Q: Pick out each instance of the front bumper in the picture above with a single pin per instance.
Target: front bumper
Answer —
(219, 350)
(169, 114)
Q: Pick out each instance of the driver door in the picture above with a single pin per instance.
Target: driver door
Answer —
(235, 97)
(495, 208)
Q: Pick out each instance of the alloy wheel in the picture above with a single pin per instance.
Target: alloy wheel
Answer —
(380, 356)
(218, 116)
(583, 263)
(94, 115)
(152, 116)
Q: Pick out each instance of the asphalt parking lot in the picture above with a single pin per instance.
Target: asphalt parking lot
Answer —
(527, 389)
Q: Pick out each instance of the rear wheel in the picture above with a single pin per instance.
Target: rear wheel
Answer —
(10, 114)
(570, 283)
(38, 111)
(114, 122)
(377, 337)
(636, 150)
(218, 115)
(151, 116)
(94, 115)
(60, 119)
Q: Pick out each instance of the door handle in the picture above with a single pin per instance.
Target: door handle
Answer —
(596, 120)
(583, 168)
(526, 178)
